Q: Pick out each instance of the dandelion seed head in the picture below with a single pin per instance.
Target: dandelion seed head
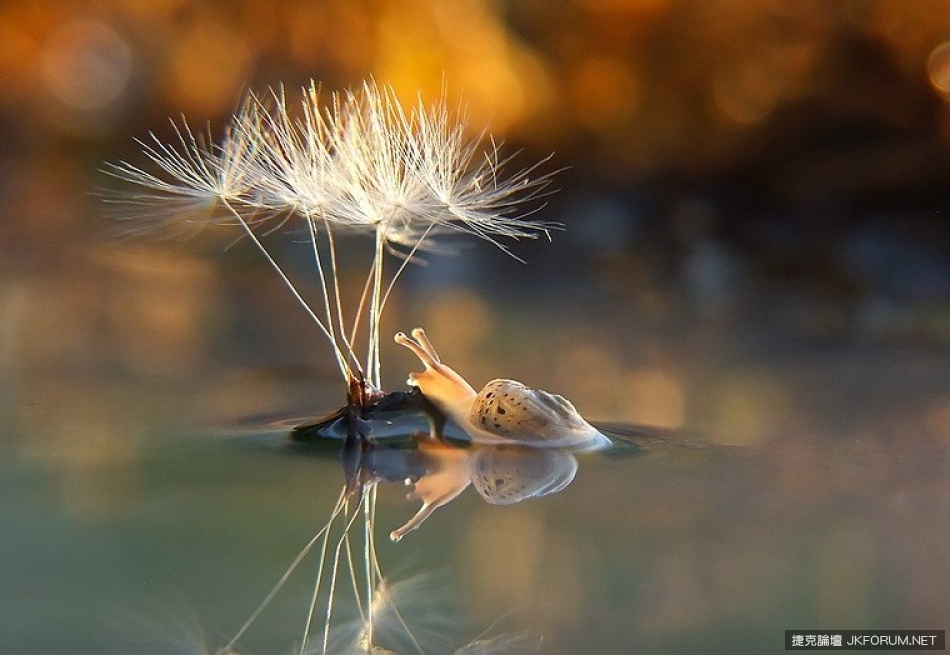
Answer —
(361, 161)
(192, 178)
(293, 163)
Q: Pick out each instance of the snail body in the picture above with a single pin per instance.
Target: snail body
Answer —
(503, 411)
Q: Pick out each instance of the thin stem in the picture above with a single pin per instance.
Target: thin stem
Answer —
(328, 308)
(341, 362)
(334, 270)
(373, 353)
(402, 267)
(323, 278)
(362, 306)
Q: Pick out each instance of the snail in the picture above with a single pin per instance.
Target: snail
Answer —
(504, 411)
(502, 474)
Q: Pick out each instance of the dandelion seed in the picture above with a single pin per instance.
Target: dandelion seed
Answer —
(165, 632)
(193, 179)
(294, 163)
(471, 194)
(361, 163)
(416, 172)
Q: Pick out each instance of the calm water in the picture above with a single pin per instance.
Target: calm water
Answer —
(151, 496)
(754, 268)
(127, 531)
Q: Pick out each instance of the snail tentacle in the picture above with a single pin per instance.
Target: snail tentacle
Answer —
(417, 348)
(420, 336)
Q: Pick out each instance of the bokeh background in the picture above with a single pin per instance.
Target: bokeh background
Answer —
(756, 252)
(744, 181)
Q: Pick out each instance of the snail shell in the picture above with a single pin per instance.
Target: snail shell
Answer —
(510, 411)
(504, 411)
(508, 474)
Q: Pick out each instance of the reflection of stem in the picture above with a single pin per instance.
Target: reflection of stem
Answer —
(316, 585)
(323, 532)
(405, 626)
(351, 566)
(369, 547)
(370, 583)
(333, 577)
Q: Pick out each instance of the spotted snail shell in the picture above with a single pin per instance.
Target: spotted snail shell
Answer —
(510, 473)
(502, 474)
(504, 411)
(509, 410)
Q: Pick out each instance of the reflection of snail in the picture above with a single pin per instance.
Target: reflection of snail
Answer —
(501, 474)
(504, 411)
(508, 474)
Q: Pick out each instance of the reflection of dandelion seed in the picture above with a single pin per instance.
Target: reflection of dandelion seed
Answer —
(364, 163)
(411, 616)
(380, 621)
(164, 632)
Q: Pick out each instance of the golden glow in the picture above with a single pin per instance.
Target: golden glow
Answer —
(746, 409)
(86, 64)
(604, 92)
(938, 69)
(655, 397)
(208, 67)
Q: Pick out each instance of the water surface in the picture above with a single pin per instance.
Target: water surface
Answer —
(168, 534)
